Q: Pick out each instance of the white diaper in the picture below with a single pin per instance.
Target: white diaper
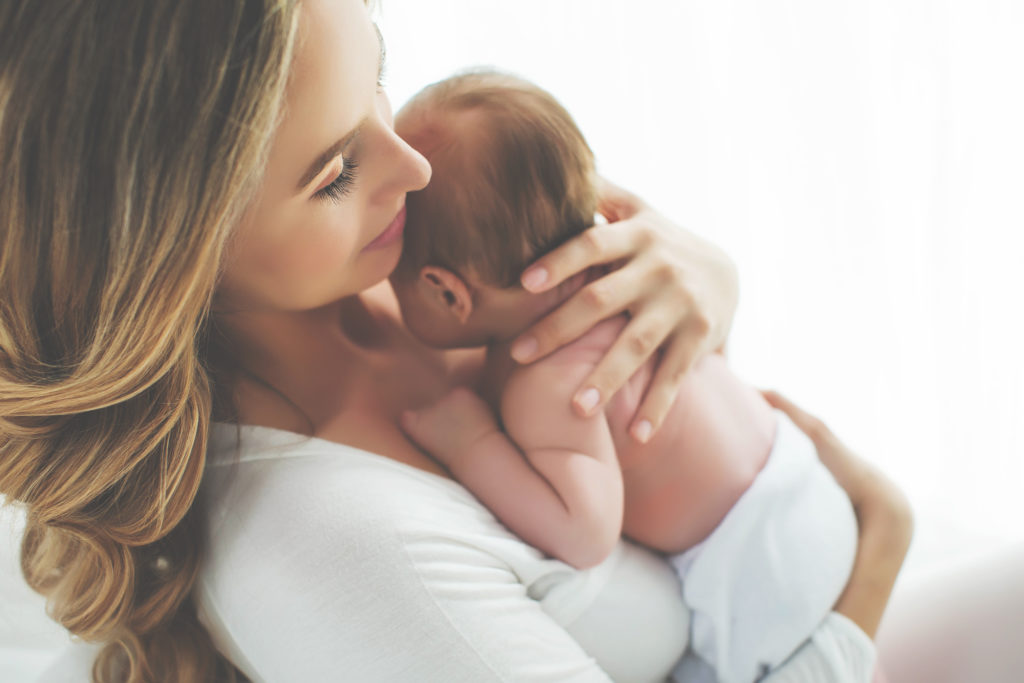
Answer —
(771, 571)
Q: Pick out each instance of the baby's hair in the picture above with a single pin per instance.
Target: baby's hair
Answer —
(513, 177)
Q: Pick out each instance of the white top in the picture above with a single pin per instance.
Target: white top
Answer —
(326, 562)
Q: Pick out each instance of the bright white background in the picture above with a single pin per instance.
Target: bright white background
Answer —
(863, 163)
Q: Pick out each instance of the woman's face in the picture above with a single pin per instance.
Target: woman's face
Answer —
(328, 217)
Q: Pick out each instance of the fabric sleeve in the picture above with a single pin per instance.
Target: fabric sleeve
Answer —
(837, 652)
(357, 581)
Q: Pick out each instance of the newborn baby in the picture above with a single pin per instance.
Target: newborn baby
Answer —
(728, 489)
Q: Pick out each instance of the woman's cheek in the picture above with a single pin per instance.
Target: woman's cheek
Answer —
(384, 107)
(311, 264)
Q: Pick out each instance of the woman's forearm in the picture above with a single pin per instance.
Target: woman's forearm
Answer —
(884, 519)
(886, 528)
(887, 525)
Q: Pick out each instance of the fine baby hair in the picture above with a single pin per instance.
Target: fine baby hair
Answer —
(513, 176)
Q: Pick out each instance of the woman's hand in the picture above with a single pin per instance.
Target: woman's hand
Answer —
(884, 519)
(679, 290)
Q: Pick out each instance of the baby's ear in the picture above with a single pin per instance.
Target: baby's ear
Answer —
(447, 291)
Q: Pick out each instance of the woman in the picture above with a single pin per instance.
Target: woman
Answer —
(230, 199)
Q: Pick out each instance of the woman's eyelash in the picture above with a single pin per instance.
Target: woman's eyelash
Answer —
(382, 62)
(382, 71)
(341, 185)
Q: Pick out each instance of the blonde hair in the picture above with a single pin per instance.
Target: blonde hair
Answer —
(132, 136)
(513, 177)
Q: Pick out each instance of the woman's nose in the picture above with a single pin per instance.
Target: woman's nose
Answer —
(405, 169)
(412, 167)
(420, 168)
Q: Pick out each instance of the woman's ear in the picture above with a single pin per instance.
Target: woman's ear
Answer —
(447, 291)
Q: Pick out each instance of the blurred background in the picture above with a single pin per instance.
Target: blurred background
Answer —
(863, 164)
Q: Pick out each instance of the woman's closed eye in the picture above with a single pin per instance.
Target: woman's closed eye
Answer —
(342, 185)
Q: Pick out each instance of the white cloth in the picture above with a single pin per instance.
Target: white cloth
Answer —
(325, 559)
(330, 563)
(770, 572)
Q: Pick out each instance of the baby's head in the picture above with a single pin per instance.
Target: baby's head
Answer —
(512, 179)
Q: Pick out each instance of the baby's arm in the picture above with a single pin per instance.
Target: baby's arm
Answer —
(574, 455)
(565, 496)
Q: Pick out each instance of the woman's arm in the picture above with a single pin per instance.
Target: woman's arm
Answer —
(884, 518)
(841, 649)
(680, 292)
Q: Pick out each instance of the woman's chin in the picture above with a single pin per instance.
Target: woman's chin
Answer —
(378, 265)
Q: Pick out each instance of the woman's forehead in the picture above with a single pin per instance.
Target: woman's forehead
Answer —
(332, 85)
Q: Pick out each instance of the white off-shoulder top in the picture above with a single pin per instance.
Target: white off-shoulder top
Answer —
(325, 562)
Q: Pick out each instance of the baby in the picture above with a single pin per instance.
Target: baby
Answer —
(729, 489)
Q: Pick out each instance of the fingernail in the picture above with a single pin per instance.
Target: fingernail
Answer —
(535, 278)
(587, 399)
(524, 349)
(642, 431)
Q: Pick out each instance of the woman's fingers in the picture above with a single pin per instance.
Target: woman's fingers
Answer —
(814, 428)
(861, 481)
(679, 290)
(635, 344)
(840, 461)
(615, 203)
(597, 245)
(678, 358)
(600, 299)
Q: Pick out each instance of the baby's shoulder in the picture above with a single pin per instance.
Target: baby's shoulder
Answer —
(548, 384)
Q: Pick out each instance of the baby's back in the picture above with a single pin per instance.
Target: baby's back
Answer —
(714, 441)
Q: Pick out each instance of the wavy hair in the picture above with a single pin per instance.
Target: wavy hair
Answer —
(132, 137)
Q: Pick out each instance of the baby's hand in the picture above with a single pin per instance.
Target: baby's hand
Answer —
(449, 429)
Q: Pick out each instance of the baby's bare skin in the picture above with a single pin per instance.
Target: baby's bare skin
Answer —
(715, 440)
(571, 485)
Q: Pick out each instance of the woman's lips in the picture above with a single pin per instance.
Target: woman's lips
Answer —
(391, 234)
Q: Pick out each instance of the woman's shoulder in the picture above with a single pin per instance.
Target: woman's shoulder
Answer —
(270, 491)
(253, 471)
(300, 527)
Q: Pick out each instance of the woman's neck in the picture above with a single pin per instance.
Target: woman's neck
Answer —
(299, 359)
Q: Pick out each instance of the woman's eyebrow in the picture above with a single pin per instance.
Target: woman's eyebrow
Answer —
(327, 155)
(335, 149)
